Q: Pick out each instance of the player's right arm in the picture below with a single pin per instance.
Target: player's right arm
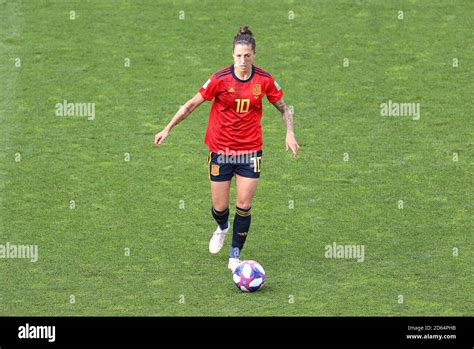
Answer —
(180, 115)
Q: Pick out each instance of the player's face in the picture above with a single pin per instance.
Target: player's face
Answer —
(243, 57)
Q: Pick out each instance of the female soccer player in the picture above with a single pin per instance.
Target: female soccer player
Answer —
(234, 137)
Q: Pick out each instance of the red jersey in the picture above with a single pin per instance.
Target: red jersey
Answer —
(234, 120)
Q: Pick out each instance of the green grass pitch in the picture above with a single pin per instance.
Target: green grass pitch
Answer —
(118, 237)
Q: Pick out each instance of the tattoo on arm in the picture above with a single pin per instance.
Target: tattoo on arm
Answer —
(280, 105)
(286, 114)
(181, 114)
(188, 111)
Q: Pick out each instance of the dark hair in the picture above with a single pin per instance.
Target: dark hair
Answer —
(244, 37)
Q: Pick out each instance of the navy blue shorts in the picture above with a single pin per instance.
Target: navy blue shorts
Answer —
(223, 167)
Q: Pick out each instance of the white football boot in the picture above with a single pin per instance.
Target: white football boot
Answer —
(233, 263)
(217, 240)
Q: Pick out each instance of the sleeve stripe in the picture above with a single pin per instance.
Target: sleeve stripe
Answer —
(221, 75)
(222, 72)
(262, 74)
(260, 70)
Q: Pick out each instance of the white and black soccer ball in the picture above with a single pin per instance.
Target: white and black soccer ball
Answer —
(249, 276)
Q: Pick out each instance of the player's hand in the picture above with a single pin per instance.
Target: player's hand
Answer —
(160, 137)
(292, 144)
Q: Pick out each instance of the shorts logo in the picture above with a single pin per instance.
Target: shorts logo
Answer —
(215, 170)
(256, 90)
(243, 233)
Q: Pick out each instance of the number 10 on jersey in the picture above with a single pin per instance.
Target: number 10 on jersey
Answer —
(257, 161)
(243, 105)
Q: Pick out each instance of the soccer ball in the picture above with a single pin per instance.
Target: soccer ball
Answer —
(249, 276)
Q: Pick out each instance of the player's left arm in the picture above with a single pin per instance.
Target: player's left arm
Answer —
(287, 116)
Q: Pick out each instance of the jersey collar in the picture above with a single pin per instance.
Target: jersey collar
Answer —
(240, 80)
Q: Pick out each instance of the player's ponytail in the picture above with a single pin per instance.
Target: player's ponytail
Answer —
(244, 37)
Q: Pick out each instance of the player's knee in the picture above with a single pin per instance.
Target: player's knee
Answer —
(221, 206)
(245, 205)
